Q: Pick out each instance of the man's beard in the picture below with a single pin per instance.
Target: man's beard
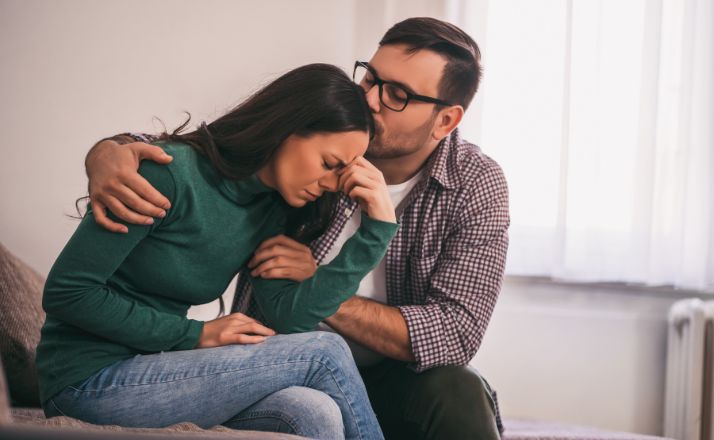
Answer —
(384, 146)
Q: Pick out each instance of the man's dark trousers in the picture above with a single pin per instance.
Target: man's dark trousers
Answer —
(450, 402)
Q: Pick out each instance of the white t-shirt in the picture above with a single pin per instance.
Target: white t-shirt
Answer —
(374, 285)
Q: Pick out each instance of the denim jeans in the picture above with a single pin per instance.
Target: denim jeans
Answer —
(305, 384)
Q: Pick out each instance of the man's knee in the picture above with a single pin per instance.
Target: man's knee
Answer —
(453, 401)
(451, 385)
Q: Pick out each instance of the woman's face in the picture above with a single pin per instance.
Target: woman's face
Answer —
(305, 167)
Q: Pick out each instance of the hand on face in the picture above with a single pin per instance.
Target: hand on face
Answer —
(304, 167)
(363, 182)
(283, 257)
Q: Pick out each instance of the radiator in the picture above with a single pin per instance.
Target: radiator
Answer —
(688, 411)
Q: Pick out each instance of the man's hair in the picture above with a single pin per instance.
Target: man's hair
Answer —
(462, 72)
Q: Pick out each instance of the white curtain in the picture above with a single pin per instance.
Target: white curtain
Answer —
(601, 113)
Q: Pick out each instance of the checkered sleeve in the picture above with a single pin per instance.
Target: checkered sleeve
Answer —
(448, 327)
(141, 137)
(126, 138)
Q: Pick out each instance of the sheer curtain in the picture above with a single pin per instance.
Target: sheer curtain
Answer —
(601, 113)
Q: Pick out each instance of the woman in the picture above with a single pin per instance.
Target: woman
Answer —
(117, 348)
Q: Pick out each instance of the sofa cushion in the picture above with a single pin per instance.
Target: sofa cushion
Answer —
(5, 417)
(35, 418)
(539, 430)
(21, 318)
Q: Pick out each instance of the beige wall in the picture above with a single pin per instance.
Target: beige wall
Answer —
(74, 71)
(587, 354)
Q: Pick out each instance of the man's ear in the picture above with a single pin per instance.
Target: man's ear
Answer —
(446, 121)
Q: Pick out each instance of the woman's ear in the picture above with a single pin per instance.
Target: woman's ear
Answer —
(446, 121)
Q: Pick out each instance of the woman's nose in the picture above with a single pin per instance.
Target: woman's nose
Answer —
(329, 182)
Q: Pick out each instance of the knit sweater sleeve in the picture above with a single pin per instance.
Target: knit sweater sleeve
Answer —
(291, 306)
(77, 292)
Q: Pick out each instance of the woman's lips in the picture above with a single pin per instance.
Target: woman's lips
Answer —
(310, 195)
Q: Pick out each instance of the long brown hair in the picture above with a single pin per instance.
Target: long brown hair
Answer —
(310, 99)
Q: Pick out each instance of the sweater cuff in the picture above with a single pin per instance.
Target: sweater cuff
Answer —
(380, 228)
(193, 335)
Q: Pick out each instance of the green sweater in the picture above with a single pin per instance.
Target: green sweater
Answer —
(112, 296)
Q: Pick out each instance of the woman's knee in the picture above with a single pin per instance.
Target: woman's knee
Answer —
(311, 413)
(330, 347)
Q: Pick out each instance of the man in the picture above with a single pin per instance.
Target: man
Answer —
(419, 318)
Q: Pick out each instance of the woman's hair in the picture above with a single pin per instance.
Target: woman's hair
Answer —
(311, 99)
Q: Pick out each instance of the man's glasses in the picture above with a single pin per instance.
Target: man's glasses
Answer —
(392, 95)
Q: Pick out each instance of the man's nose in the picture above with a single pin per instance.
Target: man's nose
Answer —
(329, 182)
(373, 98)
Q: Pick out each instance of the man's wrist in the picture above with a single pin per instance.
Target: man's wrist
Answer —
(101, 147)
(377, 326)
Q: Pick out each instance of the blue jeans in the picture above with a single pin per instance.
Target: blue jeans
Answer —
(305, 384)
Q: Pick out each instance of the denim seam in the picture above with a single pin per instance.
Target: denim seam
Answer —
(270, 414)
(349, 404)
(54, 405)
(193, 377)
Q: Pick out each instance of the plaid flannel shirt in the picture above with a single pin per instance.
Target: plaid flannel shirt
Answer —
(445, 265)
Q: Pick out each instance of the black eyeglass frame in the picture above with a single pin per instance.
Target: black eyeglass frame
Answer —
(380, 83)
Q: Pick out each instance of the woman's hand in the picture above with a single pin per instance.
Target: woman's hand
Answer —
(115, 184)
(282, 257)
(235, 328)
(363, 182)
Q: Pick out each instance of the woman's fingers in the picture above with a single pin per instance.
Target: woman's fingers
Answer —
(362, 195)
(247, 339)
(282, 273)
(261, 256)
(294, 259)
(253, 328)
(361, 164)
(368, 177)
(375, 175)
(357, 179)
(296, 269)
(235, 328)
(242, 318)
(280, 257)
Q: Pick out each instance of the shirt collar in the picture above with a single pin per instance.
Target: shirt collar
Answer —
(438, 164)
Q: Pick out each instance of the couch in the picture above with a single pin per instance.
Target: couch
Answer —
(21, 317)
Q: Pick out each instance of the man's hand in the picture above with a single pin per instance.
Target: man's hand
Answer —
(283, 257)
(115, 184)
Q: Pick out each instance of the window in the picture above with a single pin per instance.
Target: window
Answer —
(601, 113)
